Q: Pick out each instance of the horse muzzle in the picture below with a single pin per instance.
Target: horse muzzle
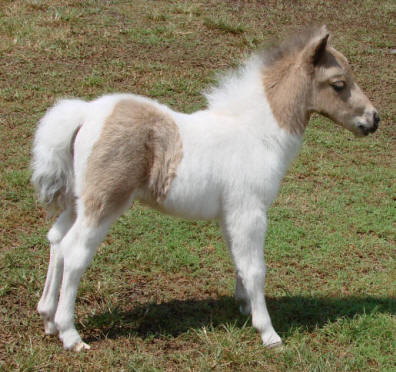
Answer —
(370, 126)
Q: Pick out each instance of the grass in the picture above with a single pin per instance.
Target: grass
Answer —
(158, 295)
(224, 25)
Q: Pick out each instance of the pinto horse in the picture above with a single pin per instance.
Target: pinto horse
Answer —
(91, 160)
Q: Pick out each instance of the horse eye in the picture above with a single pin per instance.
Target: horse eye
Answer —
(338, 86)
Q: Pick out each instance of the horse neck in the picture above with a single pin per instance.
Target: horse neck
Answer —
(287, 88)
(255, 97)
(247, 92)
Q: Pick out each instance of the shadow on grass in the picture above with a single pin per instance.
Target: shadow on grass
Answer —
(178, 316)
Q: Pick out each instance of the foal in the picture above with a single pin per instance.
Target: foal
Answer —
(92, 159)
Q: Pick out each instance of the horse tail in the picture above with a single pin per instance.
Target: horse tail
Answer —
(52, 153)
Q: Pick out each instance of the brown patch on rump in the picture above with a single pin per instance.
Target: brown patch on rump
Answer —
(139, 146)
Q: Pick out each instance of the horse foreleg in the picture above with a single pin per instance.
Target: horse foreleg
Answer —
(246, 230)
(239, 290)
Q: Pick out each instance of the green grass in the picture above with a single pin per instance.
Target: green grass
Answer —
(158, 295)
(224, 25)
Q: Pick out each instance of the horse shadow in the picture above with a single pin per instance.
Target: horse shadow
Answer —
(175, 317)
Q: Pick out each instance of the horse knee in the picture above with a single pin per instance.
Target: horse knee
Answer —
(253, 280)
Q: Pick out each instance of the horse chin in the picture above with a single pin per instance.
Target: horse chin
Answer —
(358, 129)
(357, 132)
(362, 130)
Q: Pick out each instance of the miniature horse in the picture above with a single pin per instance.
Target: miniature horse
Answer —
(92, 159)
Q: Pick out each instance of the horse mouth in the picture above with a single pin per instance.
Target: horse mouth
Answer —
(365, 131)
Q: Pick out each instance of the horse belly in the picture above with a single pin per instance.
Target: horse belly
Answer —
(192, 197)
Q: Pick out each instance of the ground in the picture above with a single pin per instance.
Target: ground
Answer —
(158, 295)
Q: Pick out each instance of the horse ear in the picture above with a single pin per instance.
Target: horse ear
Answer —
(316, 47)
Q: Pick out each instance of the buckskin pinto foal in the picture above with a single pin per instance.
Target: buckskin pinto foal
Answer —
(92, 159)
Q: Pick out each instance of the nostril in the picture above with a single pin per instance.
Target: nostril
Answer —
(376, 118)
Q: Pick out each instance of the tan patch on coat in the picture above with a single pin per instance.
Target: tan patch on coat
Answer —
(288, 77)
(139, 146)
(286, 89)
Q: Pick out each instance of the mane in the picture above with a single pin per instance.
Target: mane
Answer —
(237, 88)
(293, 43)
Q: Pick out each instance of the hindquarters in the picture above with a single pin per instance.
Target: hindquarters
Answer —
(139, 147)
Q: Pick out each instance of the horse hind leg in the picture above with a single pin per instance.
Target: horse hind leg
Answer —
(49, 298)
(78, 248)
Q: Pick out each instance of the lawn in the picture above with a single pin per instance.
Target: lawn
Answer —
(158, 295)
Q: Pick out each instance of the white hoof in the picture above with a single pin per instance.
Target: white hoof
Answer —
(81, 346)
(72, 341)
(278, 346)
(271, 339)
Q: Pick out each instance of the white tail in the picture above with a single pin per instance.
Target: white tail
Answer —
(52, 154)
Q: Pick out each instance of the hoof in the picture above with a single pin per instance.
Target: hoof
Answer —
(72, 341)
(80, 346)
(271, 339)
(277, 346)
